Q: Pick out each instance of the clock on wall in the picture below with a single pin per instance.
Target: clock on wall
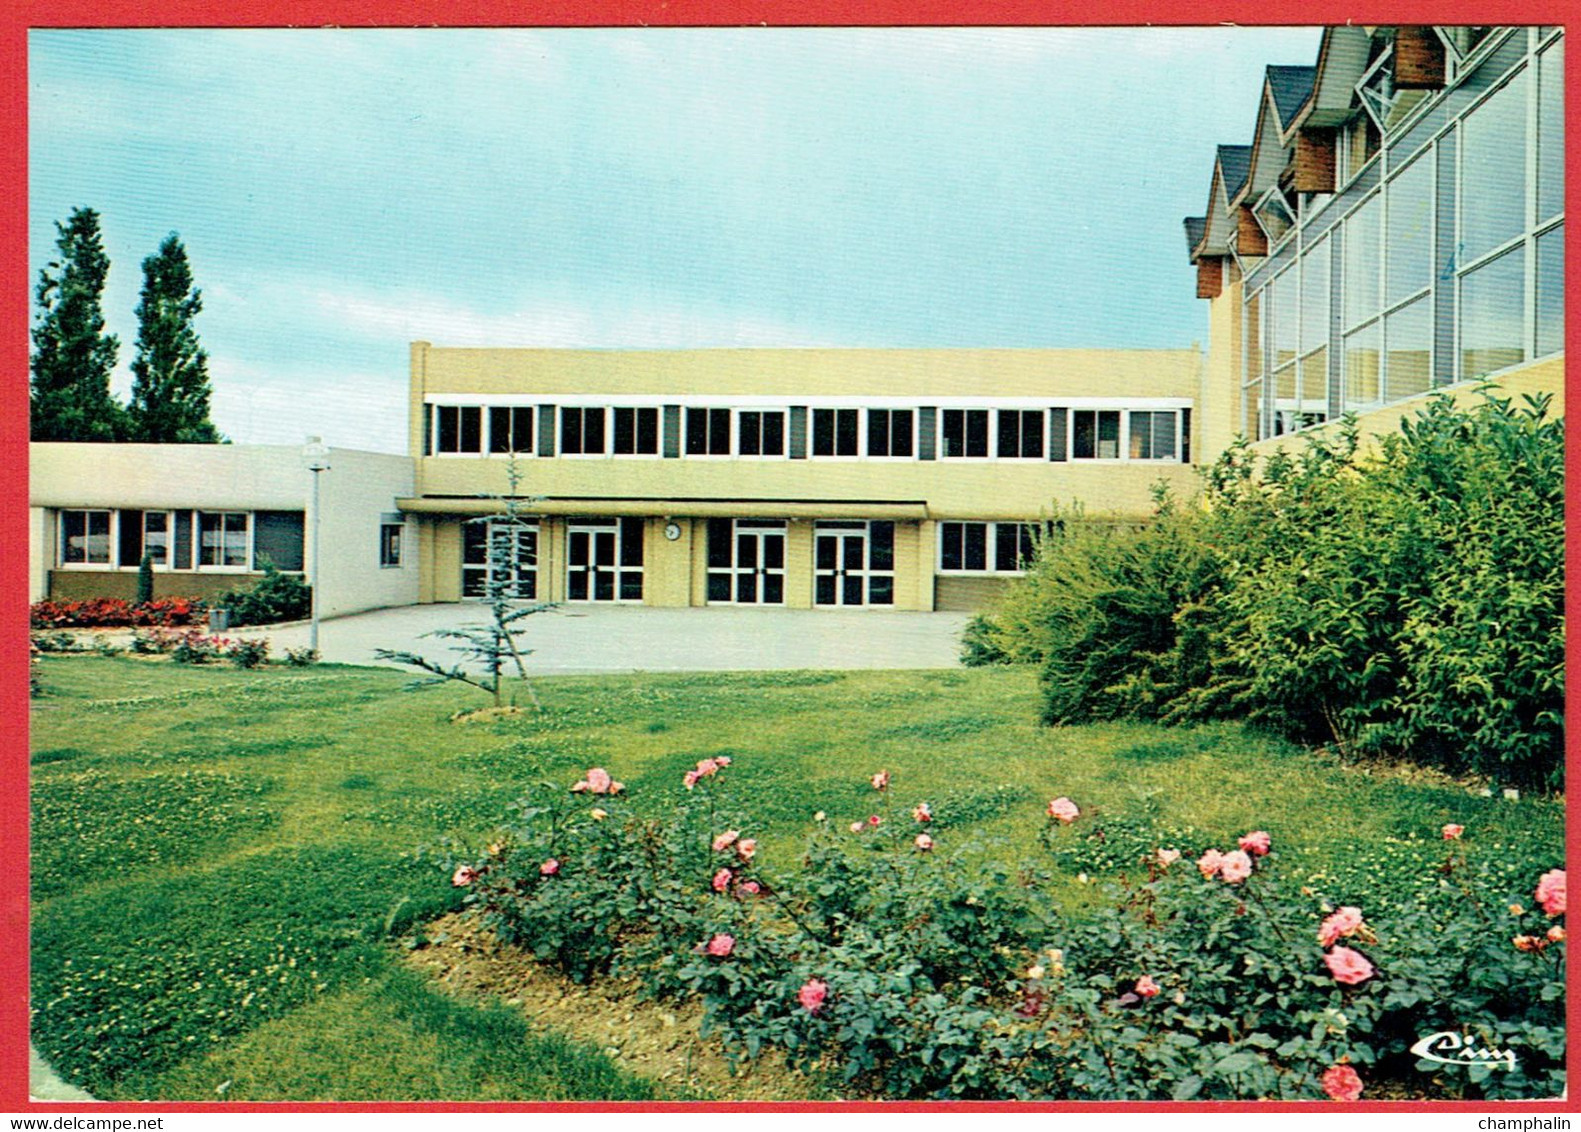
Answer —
(672, 531)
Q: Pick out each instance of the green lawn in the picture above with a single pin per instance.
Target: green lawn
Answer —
(221, 858)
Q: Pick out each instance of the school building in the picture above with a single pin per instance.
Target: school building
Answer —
(1394, 228)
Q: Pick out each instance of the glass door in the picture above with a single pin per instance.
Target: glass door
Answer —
(604, 560)
(514, 558)
(854, 563)
(746, 562)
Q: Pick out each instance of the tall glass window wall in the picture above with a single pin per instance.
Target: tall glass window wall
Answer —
(1451, 263)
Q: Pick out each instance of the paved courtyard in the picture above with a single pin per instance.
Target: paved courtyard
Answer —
(582, 639)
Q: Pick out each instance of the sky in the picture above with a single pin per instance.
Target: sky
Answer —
(341, 193)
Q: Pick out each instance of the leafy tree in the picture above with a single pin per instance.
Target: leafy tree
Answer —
(170, 387)
(491, 647)
(72, 355)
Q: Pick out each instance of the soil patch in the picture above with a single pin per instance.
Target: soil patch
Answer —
(656, 1040)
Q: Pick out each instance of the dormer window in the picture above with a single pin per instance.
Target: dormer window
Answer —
(1385, 103)
(1273, 212)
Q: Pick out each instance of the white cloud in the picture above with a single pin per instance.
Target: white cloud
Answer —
(278, 405)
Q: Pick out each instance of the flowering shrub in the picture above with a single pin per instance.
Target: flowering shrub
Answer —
(114, 612)
(894, 957)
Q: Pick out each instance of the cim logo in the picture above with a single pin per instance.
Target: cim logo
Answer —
(1450, 1048)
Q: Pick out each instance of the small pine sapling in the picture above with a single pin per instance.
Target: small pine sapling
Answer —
(488, 650)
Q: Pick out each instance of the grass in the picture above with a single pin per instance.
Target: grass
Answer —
(255, 834)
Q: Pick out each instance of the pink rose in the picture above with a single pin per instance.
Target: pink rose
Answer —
(857, 827)
(725, 840)
(881, 780)
(750, 887)
(875, 821)
(1146, 987)
(689, 779)
(1556, 934)
(812, 994)
(705, 767)
(464, 876)
(1452, 832)
(1210, 863)
(598, 780)
(1347, 966)
(1063, 809)
(1257, 844)
(922, 812)
(1551, 892)
(1341, 1083)
(1346, 921)
(722, 760)
(924, 842)
(1235, 866)
(1167, 857)
(549, 868)
(747, 847)
(721, 945)
(581, 787)
(722, 880)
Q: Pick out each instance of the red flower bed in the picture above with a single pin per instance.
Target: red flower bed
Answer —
(114, 612)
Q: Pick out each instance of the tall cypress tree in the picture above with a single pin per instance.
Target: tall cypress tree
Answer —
(170, 386)
(72, 355)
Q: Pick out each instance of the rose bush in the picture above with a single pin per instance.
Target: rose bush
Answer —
(903, 964)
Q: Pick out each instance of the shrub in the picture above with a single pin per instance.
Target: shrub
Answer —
(301, 658)
(978, 646)
(275, 597)
(57, 642)
(1405, 601)
(145, 580)
(247, 653)
(193, 647)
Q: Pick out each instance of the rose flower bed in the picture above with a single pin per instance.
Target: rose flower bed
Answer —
(115, 613)
(896, 958)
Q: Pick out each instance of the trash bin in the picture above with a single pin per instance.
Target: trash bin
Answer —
(219, 620)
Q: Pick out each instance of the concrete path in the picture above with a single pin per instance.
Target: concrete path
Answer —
(44, 1084)
(586, 639)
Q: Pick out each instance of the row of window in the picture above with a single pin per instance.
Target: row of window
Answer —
(1450, 269)
(818, 433)
(220, 541)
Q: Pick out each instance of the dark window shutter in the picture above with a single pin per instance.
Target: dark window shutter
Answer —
(1185, 436)
(277, 538)
(798, 432)
(546, 430)
(1057, 433)
(131, 550)
(927, 434)
(183, 559)
(672, 432)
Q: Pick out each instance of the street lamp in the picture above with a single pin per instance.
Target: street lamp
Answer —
(315, 454)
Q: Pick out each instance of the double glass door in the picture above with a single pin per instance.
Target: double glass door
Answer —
(854, 563)
(499, 552)
(746, 562)
(604, 560)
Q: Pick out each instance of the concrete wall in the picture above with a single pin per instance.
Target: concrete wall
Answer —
(357, 491)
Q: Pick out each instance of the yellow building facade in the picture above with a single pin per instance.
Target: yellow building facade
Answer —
(881, 479)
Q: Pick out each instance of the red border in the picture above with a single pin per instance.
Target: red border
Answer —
(15, 313)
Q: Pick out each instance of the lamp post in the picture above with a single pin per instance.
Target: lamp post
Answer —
(315, 454)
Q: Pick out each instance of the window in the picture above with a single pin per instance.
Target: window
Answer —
(1551, 291)
(85, 538)
(1493, 171)
(1153, 435)
(983, 548)
(459, 429)
(582, 432)
(1021, 434)
(390, 544)
(510, 429)
(223, 538)
(708, 432)
(762, 433)
(1363, 368)
(156, 537)
(963, 546)
(636, 432)
(889, 432)
(1095, 434)
(1551, 131)
(1492, 326)
(1407, 341)
(513, 565)
(1408, 243)
(1314, 296)
(834, 432)
(965, 433)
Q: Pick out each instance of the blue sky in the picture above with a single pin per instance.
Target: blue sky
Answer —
(341, 193)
